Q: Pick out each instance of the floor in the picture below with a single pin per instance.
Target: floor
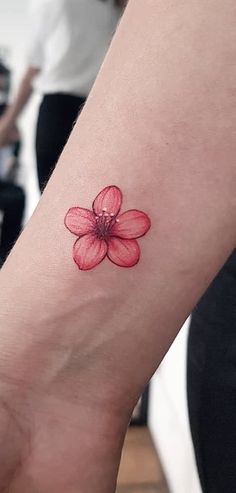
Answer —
(140, 470)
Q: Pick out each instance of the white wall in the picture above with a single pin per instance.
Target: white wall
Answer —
(168, 413)
(14, 24)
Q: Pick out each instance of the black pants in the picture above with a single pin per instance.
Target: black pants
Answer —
(12, 203)
(57, 115)
(211, 382)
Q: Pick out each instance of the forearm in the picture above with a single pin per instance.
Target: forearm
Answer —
(159, 125)
(172, 154)
(22, 96)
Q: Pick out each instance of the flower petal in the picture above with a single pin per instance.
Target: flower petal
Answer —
(131, 224)
(89, 251)
(125, 253)
(110, 199)
(80, 221)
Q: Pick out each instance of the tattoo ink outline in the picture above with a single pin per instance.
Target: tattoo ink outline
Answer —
(105, 232)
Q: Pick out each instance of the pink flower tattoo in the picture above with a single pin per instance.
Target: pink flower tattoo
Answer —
(103, 231)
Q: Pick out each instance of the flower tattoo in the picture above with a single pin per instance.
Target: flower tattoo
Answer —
(103, 231)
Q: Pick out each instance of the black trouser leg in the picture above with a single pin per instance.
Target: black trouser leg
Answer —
(211, 382)
(57, 115)
(12, 204)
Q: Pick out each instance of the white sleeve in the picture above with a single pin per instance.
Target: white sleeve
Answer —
(40, 15)
(35, 53)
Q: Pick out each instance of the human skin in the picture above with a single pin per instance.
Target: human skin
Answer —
(77, 347)
(9, 120)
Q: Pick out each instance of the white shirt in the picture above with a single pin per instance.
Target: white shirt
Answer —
(69, 41)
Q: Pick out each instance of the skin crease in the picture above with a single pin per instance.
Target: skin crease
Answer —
(78, 347)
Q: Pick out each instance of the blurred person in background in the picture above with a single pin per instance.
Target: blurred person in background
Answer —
(211, 382)
(12, 197)
(68, 44)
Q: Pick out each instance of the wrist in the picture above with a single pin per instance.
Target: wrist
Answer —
(60, 440)
(55, 392)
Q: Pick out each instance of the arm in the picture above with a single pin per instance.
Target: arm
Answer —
(8, 121)
(77, 347)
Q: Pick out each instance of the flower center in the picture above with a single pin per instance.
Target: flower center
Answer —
(104, 223)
